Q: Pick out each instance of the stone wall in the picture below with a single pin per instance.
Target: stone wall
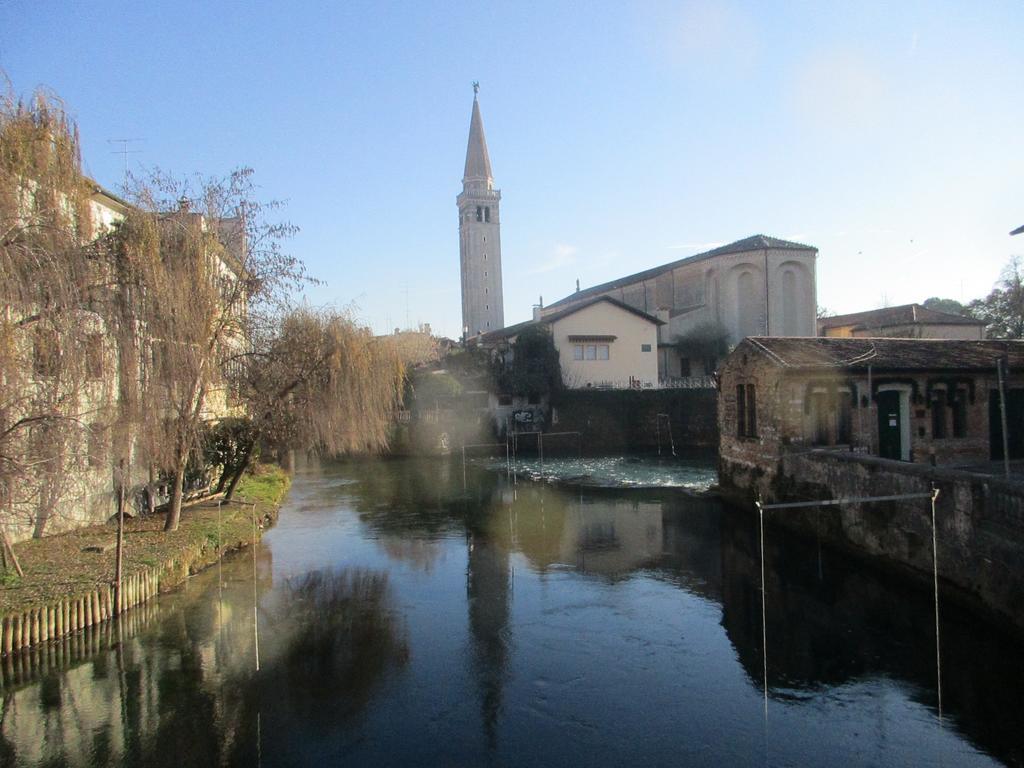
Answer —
(618, 421)
(979, 520)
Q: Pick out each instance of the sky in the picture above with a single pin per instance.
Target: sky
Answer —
(622, 135)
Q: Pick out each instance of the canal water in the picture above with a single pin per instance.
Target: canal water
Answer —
(409, 616)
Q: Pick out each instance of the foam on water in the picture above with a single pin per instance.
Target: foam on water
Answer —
(618, 471)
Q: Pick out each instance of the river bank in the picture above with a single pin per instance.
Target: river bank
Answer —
(68, 579)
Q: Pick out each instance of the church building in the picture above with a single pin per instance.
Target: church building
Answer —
(479, 236)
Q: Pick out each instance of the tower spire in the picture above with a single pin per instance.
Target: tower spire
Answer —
(478, 163)
(479, 235)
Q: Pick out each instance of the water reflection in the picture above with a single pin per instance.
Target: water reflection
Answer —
(407, 619)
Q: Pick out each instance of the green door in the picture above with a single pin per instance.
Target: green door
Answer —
(889, 419)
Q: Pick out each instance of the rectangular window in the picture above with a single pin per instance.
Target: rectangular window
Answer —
(741, 410)
(591, 352)
(602, 351)
(684, 367)
(479, 213)
(746, 410)
(751, 411)
(94, 356)
(504, 399)
(938, 406)
(645, 347)
(960, 414)
(45, 353)
(577, 352)
(844, 421)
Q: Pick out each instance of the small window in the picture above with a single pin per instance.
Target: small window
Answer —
(741, 410)
(504, 399)
(645, 347)
(485, 238)
(487, 306)
(487, 213)
(602, 351)
(960, 414)
(844, 419)
(479, 213)
(45, 353)
(485, 290)
(577, 352)
(485, 273)
(591, 352)
(684, 367)
(938, 407)
(746, 410)
(94, 356)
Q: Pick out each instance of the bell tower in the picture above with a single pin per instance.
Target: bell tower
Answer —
(479, 235)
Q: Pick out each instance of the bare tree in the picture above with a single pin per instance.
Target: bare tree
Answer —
(211, 272)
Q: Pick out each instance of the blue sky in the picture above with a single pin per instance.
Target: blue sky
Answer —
(622, 135)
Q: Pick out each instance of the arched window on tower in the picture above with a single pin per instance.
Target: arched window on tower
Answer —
(479, 213)
(487, 213)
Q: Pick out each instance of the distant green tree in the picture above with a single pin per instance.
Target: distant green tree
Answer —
(531, 366)
(950, 306)
(1003, 309)
(705, 341)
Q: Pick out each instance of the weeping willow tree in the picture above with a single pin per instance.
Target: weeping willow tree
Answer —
(209, 274)
(320, 381)
(53, 340)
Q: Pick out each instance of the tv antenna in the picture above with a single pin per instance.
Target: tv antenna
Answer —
(124, 151)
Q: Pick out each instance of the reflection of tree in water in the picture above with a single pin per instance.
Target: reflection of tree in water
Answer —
(336, 640)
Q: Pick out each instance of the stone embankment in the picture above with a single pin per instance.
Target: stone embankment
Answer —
(979, 518)
(68, 584)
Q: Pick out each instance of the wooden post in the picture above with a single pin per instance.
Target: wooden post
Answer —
(118, 602)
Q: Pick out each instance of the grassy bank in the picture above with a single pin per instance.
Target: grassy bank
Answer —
(79, 566)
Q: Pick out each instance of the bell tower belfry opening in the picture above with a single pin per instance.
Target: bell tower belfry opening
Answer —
(479, 235)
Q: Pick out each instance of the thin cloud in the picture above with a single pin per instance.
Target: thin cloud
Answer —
(562, 255)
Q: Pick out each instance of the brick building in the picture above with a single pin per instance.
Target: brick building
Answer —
(921, 400)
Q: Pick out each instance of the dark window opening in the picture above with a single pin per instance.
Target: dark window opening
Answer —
(487, 213)
(94, 356)
(741, 410)
(479, 213)
(645, 347)
(504, 399)
(751, 411)
(938, 406)
(684, 366)
(960, 414)
(45, 353)
(844, 422)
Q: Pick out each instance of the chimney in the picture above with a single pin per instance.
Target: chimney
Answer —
(577, 285)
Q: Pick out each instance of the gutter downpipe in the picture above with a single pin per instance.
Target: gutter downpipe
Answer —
(1002, 416)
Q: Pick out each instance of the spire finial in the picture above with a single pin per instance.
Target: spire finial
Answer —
(476, 88)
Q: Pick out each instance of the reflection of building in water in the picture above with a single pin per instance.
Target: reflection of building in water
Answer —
(489, 596)
(141, 699)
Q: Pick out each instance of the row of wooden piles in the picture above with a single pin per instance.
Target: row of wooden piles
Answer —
(31, 664)
(39, 625)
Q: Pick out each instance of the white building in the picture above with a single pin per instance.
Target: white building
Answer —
(758, 286)
(601, 342)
